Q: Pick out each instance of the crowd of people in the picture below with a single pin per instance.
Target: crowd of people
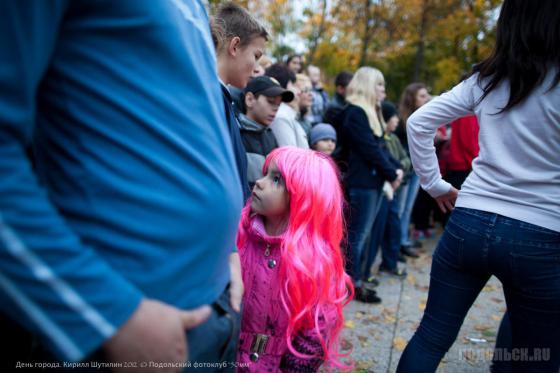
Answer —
(169, 194)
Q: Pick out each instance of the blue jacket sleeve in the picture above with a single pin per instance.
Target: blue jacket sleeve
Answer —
(366, 144)
(50, 282)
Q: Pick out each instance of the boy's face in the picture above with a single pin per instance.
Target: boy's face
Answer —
(262, 109)
(244, 62)
(392, 124)
(325, 146)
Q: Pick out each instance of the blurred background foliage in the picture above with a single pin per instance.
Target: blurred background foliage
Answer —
(432, 41)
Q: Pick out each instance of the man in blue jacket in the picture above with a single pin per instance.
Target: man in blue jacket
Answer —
(128, 216)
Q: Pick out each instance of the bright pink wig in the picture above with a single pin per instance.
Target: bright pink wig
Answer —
(315, 286)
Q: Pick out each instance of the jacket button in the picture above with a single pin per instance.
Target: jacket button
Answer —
(271, 263)
(254, 357)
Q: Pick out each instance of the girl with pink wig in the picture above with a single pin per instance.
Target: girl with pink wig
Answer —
(295, 285)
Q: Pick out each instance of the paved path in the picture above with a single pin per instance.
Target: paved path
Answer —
(378, 334)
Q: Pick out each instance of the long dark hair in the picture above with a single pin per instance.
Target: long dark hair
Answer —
(407, 104)
(527, 47)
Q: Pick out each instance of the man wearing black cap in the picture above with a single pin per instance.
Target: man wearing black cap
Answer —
(263, 96)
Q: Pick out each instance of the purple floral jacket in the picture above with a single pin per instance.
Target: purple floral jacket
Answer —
(262, 343)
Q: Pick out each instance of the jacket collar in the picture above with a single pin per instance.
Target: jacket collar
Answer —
(248, 124)
(257, 228)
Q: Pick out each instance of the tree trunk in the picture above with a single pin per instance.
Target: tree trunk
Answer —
(419, 60)
(319, 34)
(367, 33)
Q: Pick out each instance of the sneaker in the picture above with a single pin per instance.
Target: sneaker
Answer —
(372, 282)
(366, 296)
(398, 272)
(408, 251)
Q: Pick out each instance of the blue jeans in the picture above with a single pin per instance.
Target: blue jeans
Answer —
(391, 242)
(215, 340)
(406, 199)
(386, 232)
(372, 246)
(524, 257)
(364, 206)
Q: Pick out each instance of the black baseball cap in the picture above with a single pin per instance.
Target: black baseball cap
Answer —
(267, 86)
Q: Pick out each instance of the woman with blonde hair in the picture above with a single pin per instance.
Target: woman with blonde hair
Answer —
(368, 166)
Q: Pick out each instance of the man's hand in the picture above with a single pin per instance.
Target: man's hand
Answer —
(236, 288)
(446, 202)
(156, 332)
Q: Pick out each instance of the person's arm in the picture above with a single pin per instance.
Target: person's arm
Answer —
(364, 142)
(236, 288)
(422, 127)
(403, 157)
(56, 286)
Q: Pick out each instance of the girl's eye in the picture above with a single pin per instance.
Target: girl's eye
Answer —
(276, 179)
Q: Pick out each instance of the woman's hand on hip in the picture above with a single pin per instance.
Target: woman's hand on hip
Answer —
(446, 202)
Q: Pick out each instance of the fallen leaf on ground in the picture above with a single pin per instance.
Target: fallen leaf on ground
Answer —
(345, 345)
(399, 343)
(364, 365)
(496, 318)
(350, 324)
(422, 305)
(482, 328)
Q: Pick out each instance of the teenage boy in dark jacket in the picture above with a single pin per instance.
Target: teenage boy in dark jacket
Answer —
(263, 97)
(240, 40)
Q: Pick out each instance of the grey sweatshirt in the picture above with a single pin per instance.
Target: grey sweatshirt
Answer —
(517, 173)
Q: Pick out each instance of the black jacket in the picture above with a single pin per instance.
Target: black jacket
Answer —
(236, 142)
(363, 155)
(256, 137)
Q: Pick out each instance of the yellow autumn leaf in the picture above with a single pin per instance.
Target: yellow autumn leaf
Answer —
(422, 306)
(399, 343)
(496, 318)
(350, 324)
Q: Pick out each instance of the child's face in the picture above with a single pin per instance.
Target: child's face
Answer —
(392, 124)
(325, 146)
(262, 109)
(270, 197)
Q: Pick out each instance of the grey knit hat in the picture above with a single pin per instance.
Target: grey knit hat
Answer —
(321, 131)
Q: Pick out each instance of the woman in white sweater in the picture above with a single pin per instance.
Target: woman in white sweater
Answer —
(506, 218)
